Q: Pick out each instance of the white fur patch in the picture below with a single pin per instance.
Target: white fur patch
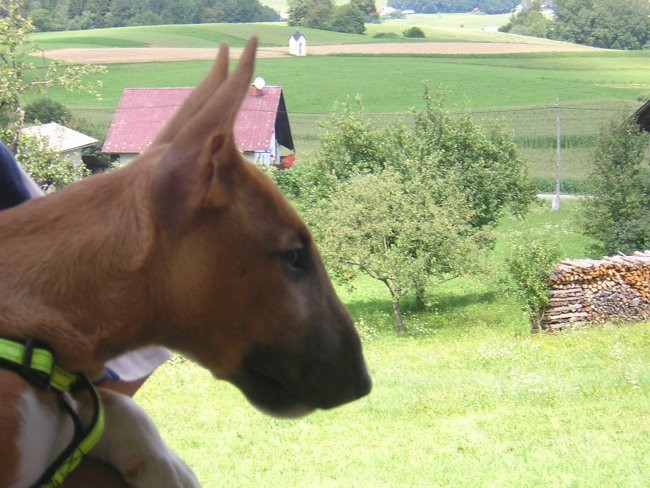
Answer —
(44, 433)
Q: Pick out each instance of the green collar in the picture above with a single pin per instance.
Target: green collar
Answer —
(35, 363)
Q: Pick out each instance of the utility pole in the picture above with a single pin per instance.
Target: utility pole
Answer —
(558, 155)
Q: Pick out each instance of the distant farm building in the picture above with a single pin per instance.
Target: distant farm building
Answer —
(298, 44)
(262, 130)
(61, 139)
(642, 116)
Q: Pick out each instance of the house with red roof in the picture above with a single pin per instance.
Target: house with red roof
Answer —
(262, 130)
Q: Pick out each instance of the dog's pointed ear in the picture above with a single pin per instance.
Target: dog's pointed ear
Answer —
(196, 99)
(199, 160)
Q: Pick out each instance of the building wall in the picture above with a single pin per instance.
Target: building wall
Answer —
(298, 47)
(127, 158)
(73, 156)
(267, 158)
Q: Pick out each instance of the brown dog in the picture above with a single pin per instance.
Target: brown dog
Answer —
(190, 247)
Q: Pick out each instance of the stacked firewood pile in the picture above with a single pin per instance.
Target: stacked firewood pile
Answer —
(585, 290)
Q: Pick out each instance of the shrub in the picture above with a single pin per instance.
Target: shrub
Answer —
(529, 22)
(385, 35)
(529, 266)
(349, 19)
(414, 32)
(45, 110)
(619, 215)
(50, 169)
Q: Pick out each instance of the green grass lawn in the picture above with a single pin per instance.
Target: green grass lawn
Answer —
(522, 89)
(468, 399)
(202, 35)
(394, 84)
(442, 27)
(452, 27)
(474, 407)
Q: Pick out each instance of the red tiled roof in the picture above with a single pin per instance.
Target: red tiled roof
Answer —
(142, 112)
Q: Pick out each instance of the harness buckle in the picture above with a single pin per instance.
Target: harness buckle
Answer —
(38, 379)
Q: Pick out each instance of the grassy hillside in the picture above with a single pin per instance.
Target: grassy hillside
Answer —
(204, 35)
(441, 27)
(393, 84)
(520, 88)
(388, 84)
(452, 27)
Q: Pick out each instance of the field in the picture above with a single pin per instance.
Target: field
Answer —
(468, 398)
(521, 87)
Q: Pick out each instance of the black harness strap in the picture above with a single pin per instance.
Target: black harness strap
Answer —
(83, 441)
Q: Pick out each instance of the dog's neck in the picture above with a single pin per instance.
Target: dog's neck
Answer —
(74, 268)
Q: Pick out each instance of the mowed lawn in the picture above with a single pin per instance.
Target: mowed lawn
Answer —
(395, 84)
(472, 406)
(469, 398)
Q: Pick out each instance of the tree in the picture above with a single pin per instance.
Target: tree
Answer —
(618, 215)
(403, 232)
(351, 135)
(611, 24)
(349, 19)
(45, 110)
(181, 12)
(243, 11)
(42, 20)
(369, 10)
(316, 14)
(98, 10)
(529, 22)
(297, 11)
(483, 160)
(456, 6)
(49, 169)
(409, 207)
(19, 74)
(214, 14)
(49, 15)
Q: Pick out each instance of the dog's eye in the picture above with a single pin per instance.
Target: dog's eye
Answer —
(295, 260)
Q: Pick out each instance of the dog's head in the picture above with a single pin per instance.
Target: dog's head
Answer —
(240, 285)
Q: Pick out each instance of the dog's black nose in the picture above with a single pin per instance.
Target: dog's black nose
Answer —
(364, 383)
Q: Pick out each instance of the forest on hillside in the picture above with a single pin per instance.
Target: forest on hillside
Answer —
(456, 6)
(57, 15)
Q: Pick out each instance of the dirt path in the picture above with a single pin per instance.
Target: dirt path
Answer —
(139, 55)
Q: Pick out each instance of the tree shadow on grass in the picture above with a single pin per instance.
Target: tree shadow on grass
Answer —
(448, 310)
(363, 308)
(449, 302)
(375, 312)
(443, 302)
